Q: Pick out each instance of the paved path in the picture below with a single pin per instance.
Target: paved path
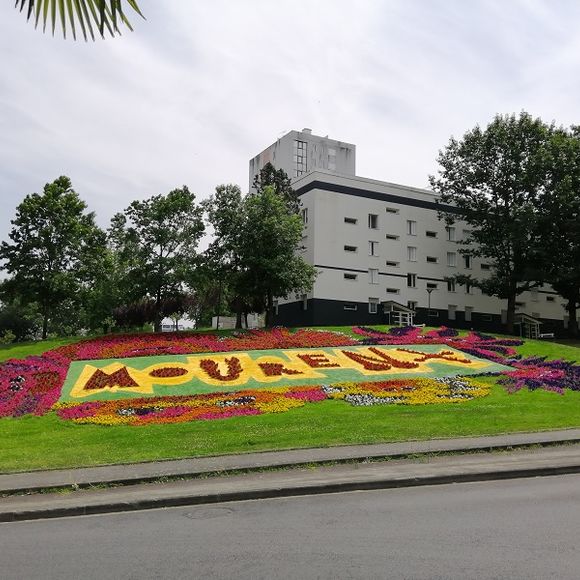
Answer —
(146, 472)
(426, 470)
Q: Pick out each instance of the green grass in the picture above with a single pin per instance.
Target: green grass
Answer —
(47, 442)
(24, 349)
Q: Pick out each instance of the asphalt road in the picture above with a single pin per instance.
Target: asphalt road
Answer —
(527, 528)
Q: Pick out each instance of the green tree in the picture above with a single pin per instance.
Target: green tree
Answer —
(493, 177)
(157, 240)
(21, 322)
(225, 212)
(83, 15)
(54, 247)
(271, 238)
(558, 230)
(269, 176)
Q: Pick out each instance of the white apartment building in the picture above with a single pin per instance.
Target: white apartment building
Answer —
(381, 252)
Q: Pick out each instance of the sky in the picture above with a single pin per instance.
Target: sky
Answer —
(198, 88)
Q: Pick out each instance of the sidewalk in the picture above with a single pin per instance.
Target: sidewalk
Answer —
(403, 464)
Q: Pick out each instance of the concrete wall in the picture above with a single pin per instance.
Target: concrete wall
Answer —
(319, 152)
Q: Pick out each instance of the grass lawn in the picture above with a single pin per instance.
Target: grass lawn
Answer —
(48, 442)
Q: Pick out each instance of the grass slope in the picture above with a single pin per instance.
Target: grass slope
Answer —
(47, 442)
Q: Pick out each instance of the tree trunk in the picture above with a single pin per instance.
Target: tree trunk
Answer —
(238, 317)
(572, 317)
(511, 313)
(270, 310)
(158, 318)
(45, 326)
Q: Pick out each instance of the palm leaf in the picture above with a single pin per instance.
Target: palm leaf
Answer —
(79, 15)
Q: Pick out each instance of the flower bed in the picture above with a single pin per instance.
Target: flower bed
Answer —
(147, 411)
(33, 385)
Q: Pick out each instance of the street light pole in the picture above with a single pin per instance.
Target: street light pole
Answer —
(429, 290)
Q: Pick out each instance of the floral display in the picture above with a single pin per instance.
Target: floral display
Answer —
(147, 411)
(167, 343)
(194, 374)
(34, 385)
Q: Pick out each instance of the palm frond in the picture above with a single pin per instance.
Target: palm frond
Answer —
(80, 16)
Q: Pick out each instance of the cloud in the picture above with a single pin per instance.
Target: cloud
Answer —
(201, 87)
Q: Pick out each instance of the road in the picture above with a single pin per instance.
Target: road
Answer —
(527, 528)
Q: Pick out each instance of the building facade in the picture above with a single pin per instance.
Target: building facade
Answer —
(379, 248)
(299, 152)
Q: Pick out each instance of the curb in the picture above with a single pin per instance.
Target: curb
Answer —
(252, 463)
(276, 491)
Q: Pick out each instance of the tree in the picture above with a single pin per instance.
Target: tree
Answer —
(271, 238)
(157, 240)
(102, 14)
(53, 250)
(493, 177)
(269, 176)
(225, 211)
(558, 229)
(18, 321)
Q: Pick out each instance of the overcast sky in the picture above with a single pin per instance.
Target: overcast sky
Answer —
(200, 87)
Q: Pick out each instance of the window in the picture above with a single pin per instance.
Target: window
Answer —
(450, 285)
(451, 259)
(373, 305)
(373, 248)
(431, 234)
(467, 261)
(350, 248)
(411, 227)
(431, 286)
(392, 290)
(468, 313)
(391, 237)
(391, 210)
(432, 259)
(392, 263)
(412, 280)
(468, 288)
(350, 307)
(300, 163)
(349, 276)
(485, 267)
(534, 294)
(550, 299)
(412, 304)
(411, 253)
(349, 220)
(373, 221)
(304, 214)
(450, 230)
(373, 276)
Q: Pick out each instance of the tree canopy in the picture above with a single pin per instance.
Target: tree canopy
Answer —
(54, 251)
(494, 178)
(255, 242)
(157, 240)
(558, 227)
